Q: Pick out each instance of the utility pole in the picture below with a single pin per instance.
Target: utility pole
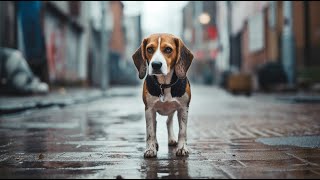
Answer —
(104, 50)
(229, 19)
(198, 25)
(288, 45)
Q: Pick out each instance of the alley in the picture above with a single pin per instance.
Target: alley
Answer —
(262, 136)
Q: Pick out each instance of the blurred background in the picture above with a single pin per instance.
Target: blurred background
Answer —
(240, 46)
(70, 96)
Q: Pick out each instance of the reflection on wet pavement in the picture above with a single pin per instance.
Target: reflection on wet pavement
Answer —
(106, 139)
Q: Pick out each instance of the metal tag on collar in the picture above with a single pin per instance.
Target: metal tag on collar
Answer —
(161, 96)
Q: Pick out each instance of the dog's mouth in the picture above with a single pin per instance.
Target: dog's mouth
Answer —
(157, 72)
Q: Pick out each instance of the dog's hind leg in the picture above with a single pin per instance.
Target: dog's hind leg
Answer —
(171, 138)
(155, 129)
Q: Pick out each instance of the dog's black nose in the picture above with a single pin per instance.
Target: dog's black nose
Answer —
(156, 65)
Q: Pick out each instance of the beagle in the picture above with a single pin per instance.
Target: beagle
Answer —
(166, 89)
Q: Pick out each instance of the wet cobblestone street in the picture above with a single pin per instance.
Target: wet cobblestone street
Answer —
(229, 137)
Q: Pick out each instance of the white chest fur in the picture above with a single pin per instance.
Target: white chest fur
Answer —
(166, 107)
(170, 104)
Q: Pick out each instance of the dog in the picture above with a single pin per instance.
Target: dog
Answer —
(164, 60)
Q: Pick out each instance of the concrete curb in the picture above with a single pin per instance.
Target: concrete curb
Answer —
(21, 105)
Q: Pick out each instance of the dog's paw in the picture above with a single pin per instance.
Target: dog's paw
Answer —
(172, 142)
(182, 151)
(149, 153)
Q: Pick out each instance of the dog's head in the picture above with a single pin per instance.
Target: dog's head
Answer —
(162, 53)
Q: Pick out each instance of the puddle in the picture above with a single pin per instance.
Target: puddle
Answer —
(300, 141)
(133, 117)
(301, 99)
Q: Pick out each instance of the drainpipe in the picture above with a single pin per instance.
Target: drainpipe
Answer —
(306, 33)
(288, 45)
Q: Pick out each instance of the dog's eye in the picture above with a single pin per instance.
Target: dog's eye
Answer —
(167, 50)
(150, 50)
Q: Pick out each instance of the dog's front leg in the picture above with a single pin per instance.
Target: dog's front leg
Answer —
(151, 149)
(182, 139)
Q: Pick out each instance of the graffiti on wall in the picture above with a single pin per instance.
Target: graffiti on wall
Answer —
(56, 47)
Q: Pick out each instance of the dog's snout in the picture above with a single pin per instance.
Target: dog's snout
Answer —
(156, 65)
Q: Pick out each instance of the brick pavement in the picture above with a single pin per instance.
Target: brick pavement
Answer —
(105, 139)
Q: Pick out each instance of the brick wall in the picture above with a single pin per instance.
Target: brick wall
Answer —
(117, 36)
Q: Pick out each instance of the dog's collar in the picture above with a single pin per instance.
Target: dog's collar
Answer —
(164, 86)
(178, 86)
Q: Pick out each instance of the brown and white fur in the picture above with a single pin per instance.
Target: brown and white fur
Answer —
(174, 59)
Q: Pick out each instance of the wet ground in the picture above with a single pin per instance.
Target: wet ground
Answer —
(229, 137)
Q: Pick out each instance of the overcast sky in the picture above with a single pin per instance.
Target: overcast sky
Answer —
(157, 16)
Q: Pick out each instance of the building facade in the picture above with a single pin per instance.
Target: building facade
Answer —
(201, 35)
(254, 34)
(62, 40)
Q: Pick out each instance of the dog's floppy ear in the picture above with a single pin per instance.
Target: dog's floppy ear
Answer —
(139, 59)
(184, 59)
